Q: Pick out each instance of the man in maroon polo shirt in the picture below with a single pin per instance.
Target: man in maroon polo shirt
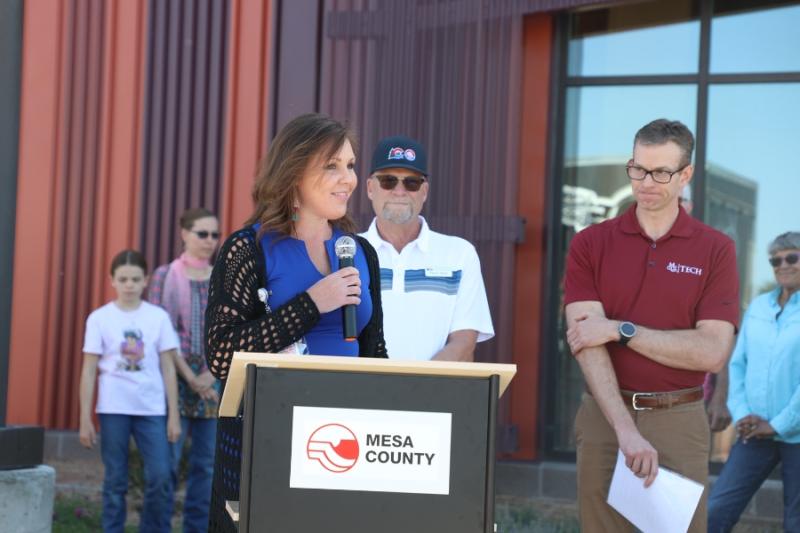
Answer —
(651, 305)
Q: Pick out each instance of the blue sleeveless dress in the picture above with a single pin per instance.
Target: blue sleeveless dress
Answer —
(291, 271)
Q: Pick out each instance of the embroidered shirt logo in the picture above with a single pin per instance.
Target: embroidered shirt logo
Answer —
(677, 268)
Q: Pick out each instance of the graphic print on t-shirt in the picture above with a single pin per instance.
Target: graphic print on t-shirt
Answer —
(132, 350)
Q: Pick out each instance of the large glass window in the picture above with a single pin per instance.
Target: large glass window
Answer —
(629, 64)
(752, 172)
(648, 38)
(746, 37)
(598, 144)
(751, 181)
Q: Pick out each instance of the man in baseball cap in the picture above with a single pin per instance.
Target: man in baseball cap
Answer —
(432, 291)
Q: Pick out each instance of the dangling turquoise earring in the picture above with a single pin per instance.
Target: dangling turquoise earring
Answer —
(295, 215)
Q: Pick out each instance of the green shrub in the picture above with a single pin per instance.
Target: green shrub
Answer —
(73, 514)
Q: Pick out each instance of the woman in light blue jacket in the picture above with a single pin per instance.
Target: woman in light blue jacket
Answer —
(764, 396)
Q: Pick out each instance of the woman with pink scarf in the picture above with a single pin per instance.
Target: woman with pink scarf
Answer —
(181, 287)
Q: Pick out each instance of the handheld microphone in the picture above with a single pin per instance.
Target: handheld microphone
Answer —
(345, 248)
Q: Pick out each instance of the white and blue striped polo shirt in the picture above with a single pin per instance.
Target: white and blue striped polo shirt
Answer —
(431, 288)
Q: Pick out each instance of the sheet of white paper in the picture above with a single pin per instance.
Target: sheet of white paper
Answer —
(665, 506)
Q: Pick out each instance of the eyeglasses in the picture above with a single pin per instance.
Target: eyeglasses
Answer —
(777, 261)
(203, 234)
(389, 182)
(659, 176)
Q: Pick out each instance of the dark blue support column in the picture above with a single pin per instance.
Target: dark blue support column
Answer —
(10, 71)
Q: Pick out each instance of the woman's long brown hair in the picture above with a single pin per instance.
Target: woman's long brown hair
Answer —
(299, 144)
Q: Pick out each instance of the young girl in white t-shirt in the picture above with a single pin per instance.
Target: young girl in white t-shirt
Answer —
(132, 343)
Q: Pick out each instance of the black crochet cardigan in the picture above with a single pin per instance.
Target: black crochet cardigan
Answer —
(236, 320)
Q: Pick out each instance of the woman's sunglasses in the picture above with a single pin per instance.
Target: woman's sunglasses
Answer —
(203, 234)
(789, 258)
(389, 182)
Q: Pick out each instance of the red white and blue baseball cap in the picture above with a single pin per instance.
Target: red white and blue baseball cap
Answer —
(400, 152)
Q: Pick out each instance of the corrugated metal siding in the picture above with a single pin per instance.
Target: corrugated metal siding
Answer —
(94, 73)
(248, 89)
(77, 152)
(449, 74)
(75, 195)
(184, 118)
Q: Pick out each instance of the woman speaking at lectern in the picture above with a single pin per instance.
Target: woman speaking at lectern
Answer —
(276, 285)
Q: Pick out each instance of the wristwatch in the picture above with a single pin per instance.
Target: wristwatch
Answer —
(626, 332)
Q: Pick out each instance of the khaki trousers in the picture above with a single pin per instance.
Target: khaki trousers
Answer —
(680, 435)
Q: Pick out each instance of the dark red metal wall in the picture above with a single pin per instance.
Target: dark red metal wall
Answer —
(124, 123)
(184, 118)
(76, 200)
(122, 126)
(132, 111)
(450, 78)
(448, 74)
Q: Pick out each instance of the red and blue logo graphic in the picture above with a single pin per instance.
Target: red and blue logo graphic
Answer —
(402, 153)
(334, 446)
(396, 153)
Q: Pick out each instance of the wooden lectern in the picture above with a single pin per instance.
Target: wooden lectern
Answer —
(358, 444)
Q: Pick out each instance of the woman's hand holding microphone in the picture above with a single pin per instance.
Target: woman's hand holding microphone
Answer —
(337, 289)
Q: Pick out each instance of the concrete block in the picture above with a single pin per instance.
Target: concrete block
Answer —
(21, 446)
(26, 499)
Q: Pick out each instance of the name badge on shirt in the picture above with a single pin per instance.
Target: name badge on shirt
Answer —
(433, 273)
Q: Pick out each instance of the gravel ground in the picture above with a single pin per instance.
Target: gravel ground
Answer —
(84, 478)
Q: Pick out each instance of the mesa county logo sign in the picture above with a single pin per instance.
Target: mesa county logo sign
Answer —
(334, 446)
(376, 450)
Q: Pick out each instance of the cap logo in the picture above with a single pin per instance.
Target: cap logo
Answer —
(399, 153)
(396, 153)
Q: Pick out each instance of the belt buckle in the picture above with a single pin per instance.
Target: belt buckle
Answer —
(637, 395)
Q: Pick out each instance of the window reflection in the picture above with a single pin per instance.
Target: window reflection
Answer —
(745, 37)
(753, 139)
(648, 38)
(753, 134)
(601, 123)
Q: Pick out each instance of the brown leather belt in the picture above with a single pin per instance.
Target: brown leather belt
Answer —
(645, 401)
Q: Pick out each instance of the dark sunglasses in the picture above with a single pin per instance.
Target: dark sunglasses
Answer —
(789, 258)
(389, 182)
(203, 234)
